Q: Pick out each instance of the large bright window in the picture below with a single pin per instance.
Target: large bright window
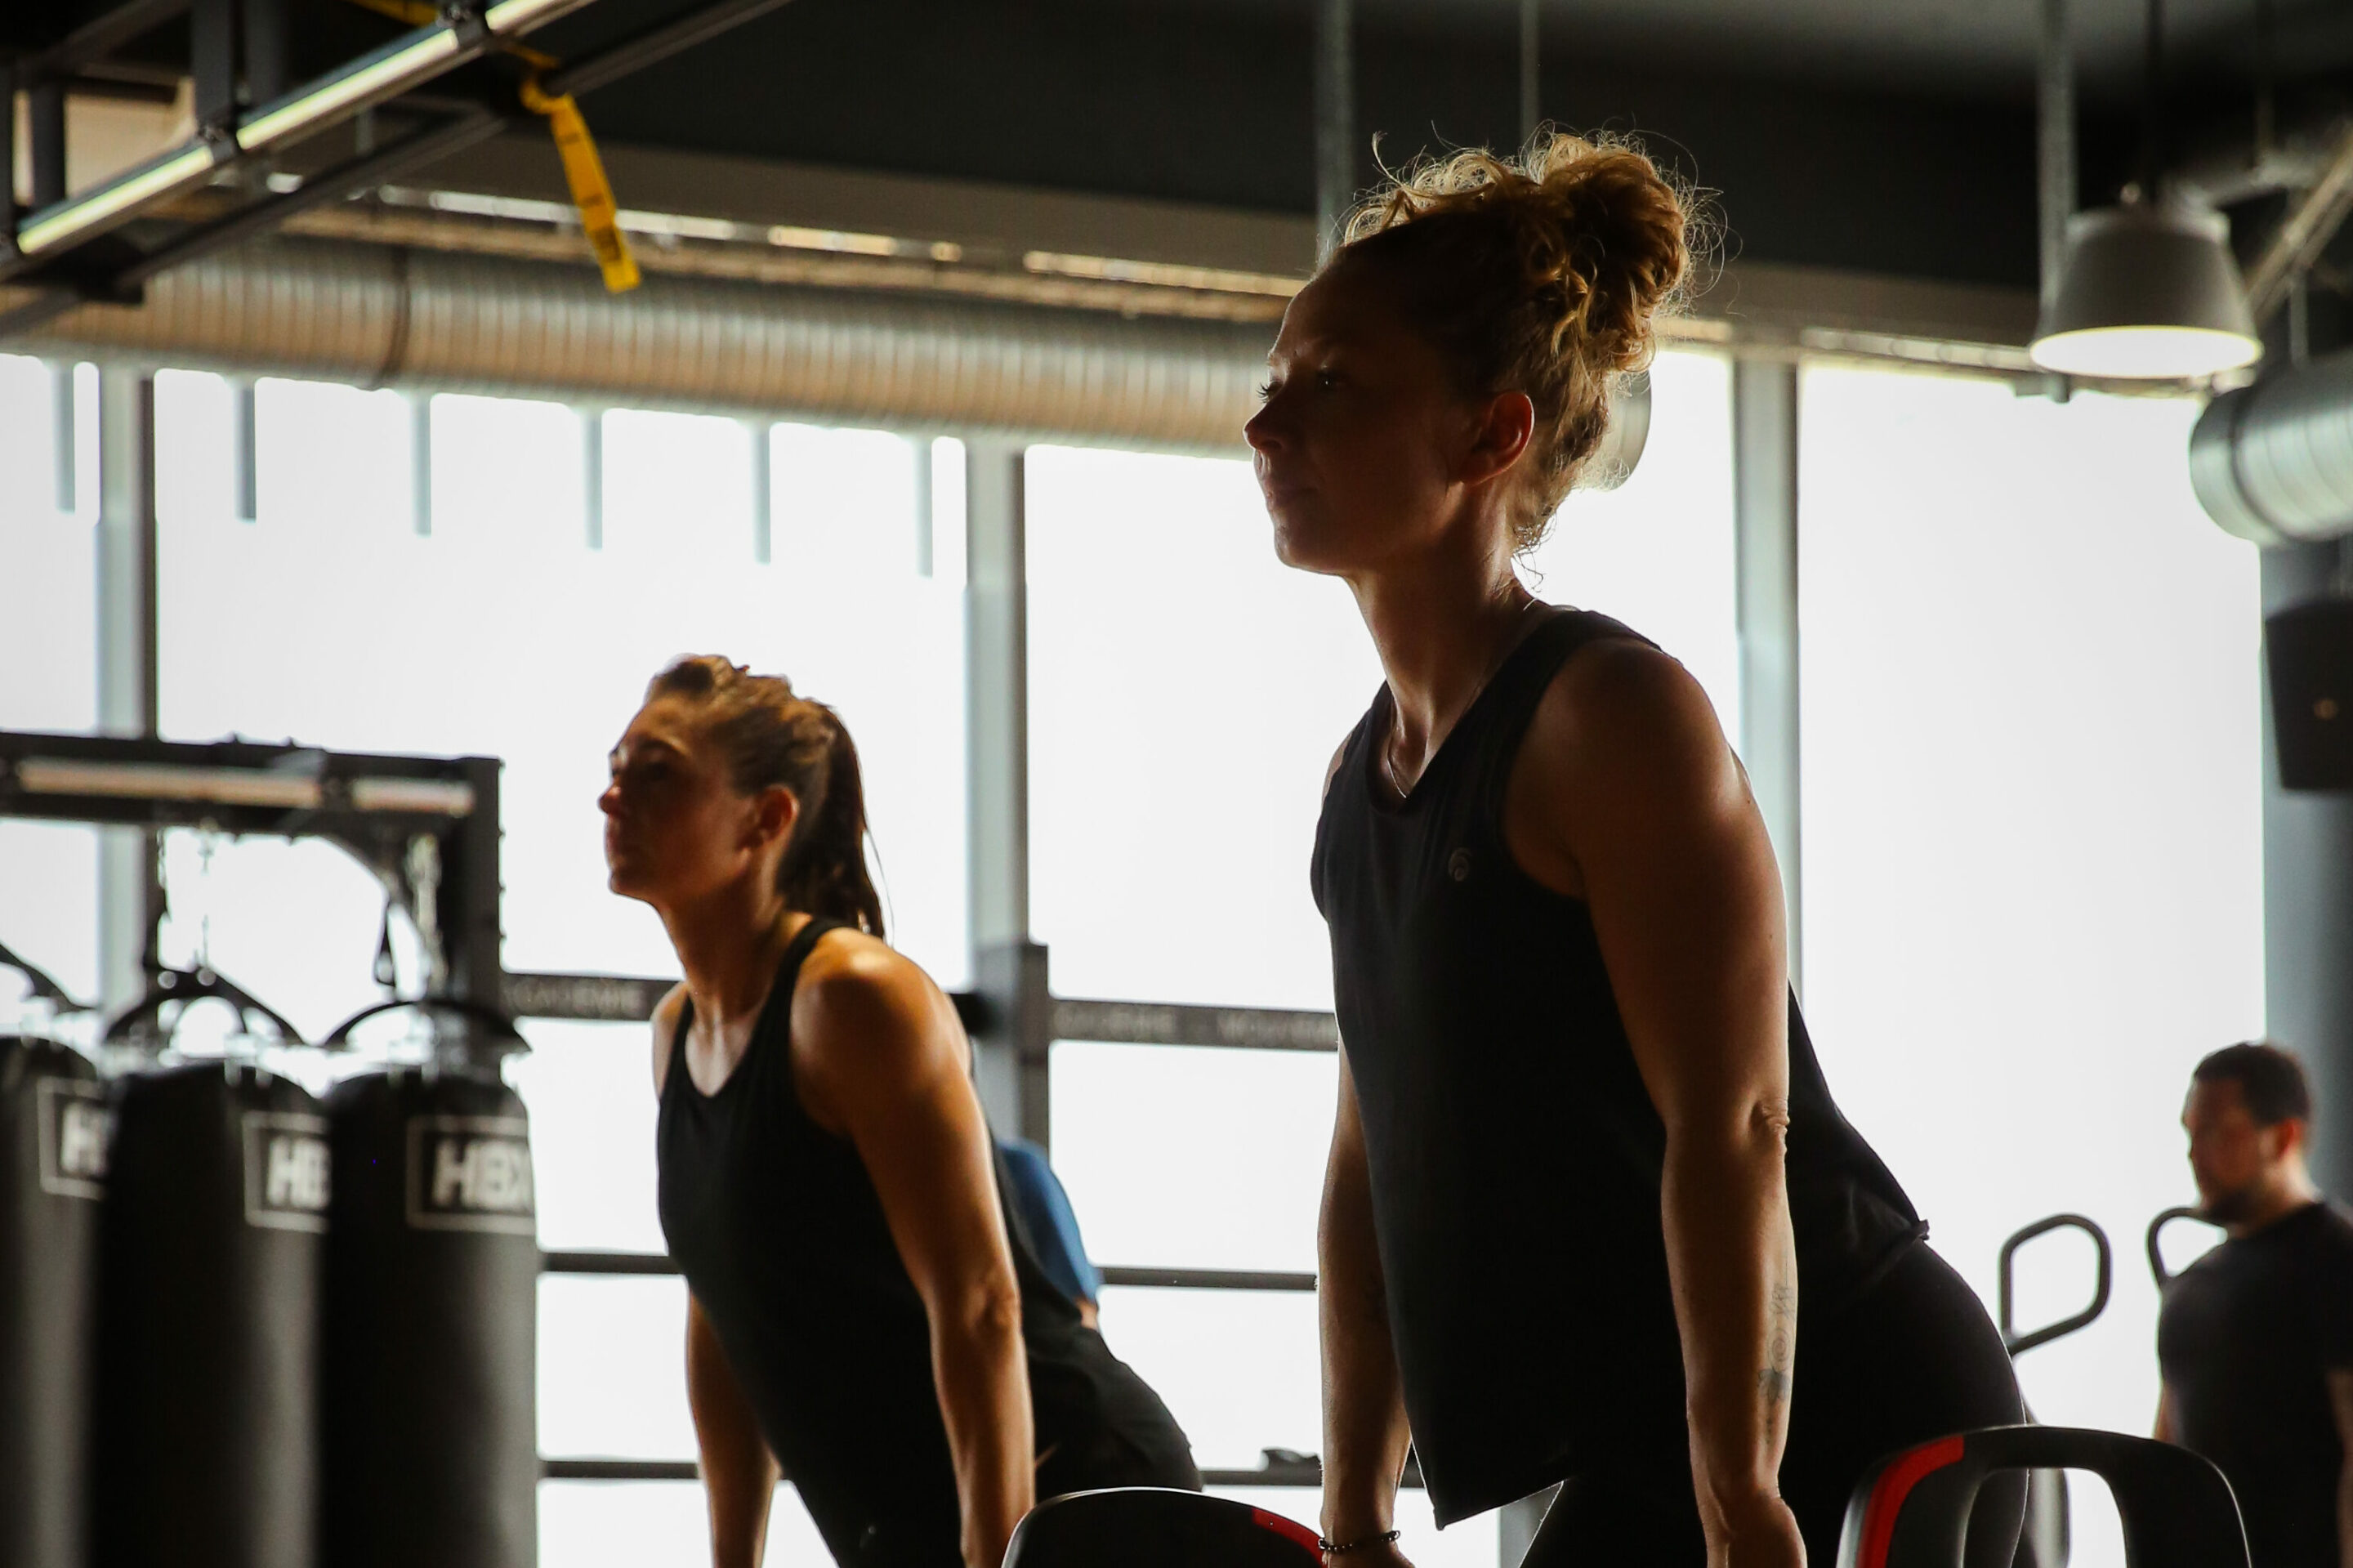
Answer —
(2033, 835)
(48, 680)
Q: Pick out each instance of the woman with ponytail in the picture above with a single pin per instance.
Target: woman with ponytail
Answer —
(861, 1313)
(1591, 1217)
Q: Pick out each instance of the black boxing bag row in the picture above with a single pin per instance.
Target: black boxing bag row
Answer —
(53, 1137)
(213, 1235)
(430, 1442)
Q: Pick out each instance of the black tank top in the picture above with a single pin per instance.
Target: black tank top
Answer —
(1515, 1157)
(781, 1235)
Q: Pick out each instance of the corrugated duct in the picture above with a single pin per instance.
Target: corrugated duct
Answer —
(452, 321)
(378, 316)
(2273, 461)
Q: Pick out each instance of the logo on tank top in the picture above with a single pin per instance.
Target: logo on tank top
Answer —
(287, 1170)
(74, 1131)
(1458, 865)
(470, 1173)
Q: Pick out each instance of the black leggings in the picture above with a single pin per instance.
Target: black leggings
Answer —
(1914, 1358)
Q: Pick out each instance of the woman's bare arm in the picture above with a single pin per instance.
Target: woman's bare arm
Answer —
(739, 1474)
(1365, 1432)
(1627, 787)
(879, 1058)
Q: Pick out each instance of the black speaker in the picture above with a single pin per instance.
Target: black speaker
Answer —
(2310, 648)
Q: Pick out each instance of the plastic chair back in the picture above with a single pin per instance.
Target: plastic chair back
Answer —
(1912, 1509)
(1156, 1527)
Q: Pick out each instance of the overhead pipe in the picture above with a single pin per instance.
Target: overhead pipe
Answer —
(432, 321)
(447, 322)
(2273, 461)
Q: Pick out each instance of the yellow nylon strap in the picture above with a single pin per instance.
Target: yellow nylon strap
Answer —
(584, 171)
(592, 193)
(416, 13)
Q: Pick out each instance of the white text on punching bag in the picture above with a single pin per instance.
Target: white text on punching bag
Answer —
(288, 1171)
(74, 1131)
(298, 1173)
(486, 1175)
(81, 1142)
(470, 1173)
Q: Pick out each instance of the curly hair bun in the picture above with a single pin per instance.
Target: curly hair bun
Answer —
(1541, 274)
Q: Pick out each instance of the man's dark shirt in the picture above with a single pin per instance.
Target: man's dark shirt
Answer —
(2246, 1339)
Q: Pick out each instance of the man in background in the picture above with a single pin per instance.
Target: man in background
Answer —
(2255, 1339)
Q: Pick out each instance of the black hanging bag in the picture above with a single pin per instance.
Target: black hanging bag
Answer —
(213, 1240)
(53, 1146)
(431, 1443)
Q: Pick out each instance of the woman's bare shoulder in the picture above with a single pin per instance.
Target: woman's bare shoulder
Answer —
(864, 1006)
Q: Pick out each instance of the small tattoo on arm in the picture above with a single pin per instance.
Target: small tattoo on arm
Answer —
(1780, 1313)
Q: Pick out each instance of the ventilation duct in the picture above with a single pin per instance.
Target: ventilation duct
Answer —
(455, 322)
(2273, 461)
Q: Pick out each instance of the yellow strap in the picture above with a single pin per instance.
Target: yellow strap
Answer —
(584, 171)
(592, 193)
(416, 13)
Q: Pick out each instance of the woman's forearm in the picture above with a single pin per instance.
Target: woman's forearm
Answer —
(1365, 1432)
(1732, 1257)
(739, 1475)
(982, 1372)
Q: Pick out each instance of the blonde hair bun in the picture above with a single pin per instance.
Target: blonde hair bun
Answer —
(1544, 274)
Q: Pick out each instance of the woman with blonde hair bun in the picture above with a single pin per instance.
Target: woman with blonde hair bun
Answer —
(863, 1307)
(1591, 1216)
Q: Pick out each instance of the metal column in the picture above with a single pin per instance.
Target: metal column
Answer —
(2054, 155)
(1531, 88)
(1335, 119)
(243, 451)
(129, 895)
(1008, 969)
(2055, 143)
(1764, 522)
(2308, 908)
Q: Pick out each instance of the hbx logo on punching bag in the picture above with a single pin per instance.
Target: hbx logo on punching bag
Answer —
(75, 1130)
(470, 1173)
(286, 1171)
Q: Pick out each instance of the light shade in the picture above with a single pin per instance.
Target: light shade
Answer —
(2148, 290)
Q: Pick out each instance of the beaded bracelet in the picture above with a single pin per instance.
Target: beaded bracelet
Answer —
(1334, 1548)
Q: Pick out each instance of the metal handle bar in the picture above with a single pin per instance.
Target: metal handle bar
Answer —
(2018, 1344)
(43, 985)
(168, 986)
(2158, 1271)
(500, 1025)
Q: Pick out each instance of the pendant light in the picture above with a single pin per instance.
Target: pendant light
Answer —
(2148, 289)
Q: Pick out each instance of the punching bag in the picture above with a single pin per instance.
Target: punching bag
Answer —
(215, 1220)
(53, 1136)
(430, 1444)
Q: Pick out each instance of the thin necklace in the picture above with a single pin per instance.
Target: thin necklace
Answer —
(1389, 746)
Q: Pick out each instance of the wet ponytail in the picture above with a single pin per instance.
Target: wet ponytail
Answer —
(772, 738)
(824, 870)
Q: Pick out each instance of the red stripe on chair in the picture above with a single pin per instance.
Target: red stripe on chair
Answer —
(1896, 1484)
(1291, 1529)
